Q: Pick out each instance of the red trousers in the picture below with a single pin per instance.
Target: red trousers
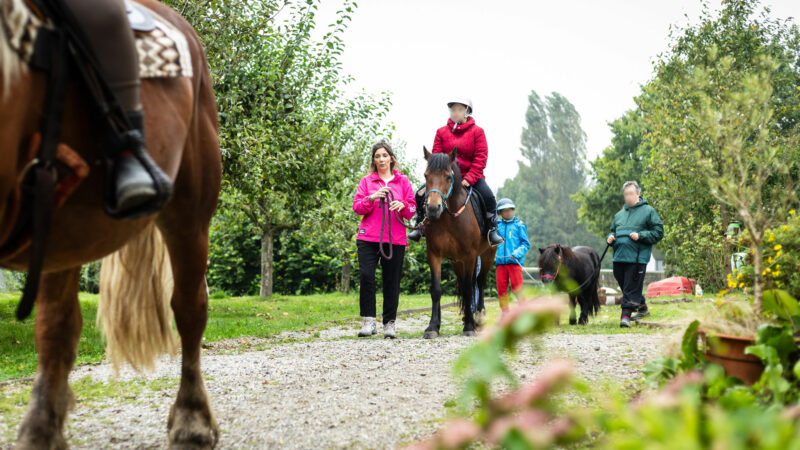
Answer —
(506, 273)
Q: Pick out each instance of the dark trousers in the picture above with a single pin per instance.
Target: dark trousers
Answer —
(368, 258)
(630, 277)
(480, 187)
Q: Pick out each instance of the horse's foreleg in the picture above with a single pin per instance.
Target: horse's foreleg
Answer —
(435, 263)
(58, 328)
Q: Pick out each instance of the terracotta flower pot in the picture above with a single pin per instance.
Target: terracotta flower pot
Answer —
(728, 351)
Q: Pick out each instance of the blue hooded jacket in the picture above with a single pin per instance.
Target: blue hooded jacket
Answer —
(517, 244)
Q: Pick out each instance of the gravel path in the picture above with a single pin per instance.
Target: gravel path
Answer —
(326, 391)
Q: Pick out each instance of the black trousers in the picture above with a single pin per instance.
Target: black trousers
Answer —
(480, 187)
(368, 258)
(630, 277)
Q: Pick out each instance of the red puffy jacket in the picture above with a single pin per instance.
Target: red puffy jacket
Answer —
(471, 143)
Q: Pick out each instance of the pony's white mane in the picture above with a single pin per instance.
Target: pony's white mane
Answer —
(11, 12)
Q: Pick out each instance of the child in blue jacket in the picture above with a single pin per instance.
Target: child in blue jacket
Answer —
(510, 254)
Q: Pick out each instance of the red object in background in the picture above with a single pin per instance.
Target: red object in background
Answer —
(671, 286)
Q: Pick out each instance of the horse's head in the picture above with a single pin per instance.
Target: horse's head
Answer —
(550, 261)
(442, 179)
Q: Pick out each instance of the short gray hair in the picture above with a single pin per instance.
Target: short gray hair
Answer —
(628, 184)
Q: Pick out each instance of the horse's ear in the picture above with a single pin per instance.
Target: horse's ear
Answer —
(426, 153)
(541, 250)
(454, 154)
(558, 249)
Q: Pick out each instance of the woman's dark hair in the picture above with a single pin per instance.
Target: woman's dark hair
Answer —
(382, 145)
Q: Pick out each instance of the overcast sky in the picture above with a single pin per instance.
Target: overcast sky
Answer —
(596, 53)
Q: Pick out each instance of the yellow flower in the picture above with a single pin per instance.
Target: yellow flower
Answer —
(777, 247)
(776, 274)
(732, 284)
(739, 275)
(791, 212)
(777, 266)
(763, 272)
(770, 238)
(784, 228)
(741, 285)
(770, 260)
(778, 255)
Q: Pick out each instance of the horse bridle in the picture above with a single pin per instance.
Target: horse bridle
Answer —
(444, 196)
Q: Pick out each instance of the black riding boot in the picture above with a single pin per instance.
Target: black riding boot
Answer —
(136, 192)
(494, 236)
(416, 234)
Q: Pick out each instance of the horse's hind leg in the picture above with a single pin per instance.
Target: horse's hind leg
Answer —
(191, 423)
(58, 328)
(466, 285)
(572, 316)
(583, 300)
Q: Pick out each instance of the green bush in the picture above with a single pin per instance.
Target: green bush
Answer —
(781, 259)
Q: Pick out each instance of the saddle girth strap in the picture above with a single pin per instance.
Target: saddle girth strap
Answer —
(42, 178)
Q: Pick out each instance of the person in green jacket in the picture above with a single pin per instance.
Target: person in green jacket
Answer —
(636, 228)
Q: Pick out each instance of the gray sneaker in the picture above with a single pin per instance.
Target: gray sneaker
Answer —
(641, 314)
(625, 322)
(389, 331)
(368, 328)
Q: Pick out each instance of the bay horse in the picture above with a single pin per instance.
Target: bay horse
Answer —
(453, 232)
(155, 261)
(575, 271)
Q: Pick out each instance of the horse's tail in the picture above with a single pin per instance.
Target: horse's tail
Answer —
(134, 311)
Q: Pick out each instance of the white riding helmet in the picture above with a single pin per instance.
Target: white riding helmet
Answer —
(461, 100)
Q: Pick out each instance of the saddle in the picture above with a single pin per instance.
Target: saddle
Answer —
(45, 37)
(479, 207)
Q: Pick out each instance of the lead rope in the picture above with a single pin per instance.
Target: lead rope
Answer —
(384, 206)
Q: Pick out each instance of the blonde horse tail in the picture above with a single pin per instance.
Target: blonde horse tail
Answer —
(134, 310)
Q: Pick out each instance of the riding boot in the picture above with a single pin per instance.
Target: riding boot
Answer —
(140, 187)
(494, 236)
(416, 234)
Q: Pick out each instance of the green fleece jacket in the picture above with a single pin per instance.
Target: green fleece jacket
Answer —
(640, 218)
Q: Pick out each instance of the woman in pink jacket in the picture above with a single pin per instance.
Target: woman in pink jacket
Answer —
(382, 196)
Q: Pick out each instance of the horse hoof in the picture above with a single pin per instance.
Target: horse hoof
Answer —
(431, 335)
(572, 321)
(470, 333)
(192, 429)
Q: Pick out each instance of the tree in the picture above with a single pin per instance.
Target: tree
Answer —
(738, 124)
(620, 162)
(554, 146)
(283, 115)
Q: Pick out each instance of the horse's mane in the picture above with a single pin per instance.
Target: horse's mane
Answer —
(440, 162)
(10, 64)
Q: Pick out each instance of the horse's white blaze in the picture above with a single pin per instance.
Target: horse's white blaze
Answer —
(13, 15)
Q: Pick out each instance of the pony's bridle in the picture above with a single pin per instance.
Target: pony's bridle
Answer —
(547, 276)
(442, 194)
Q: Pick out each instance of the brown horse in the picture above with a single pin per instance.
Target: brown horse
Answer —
(453, 233)
(181, 131)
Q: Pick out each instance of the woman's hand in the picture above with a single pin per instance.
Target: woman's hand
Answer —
(380, 193)
(635, 236)
(465, 183)
(396, 206)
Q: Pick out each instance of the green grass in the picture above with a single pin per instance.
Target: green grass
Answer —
(228, 318)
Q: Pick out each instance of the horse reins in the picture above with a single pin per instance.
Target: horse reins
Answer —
(384, 206)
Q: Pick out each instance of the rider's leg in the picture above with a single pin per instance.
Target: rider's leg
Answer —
(106, 27)
(491, 209)
(419, 196)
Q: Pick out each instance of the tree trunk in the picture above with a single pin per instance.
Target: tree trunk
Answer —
(266, 263)
(347, 270)
(726, 245)
(757, 277)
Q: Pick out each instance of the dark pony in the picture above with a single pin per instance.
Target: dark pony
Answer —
(452, 232)
(574, 271)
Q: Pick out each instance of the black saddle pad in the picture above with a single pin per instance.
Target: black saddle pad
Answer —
(480, 212)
